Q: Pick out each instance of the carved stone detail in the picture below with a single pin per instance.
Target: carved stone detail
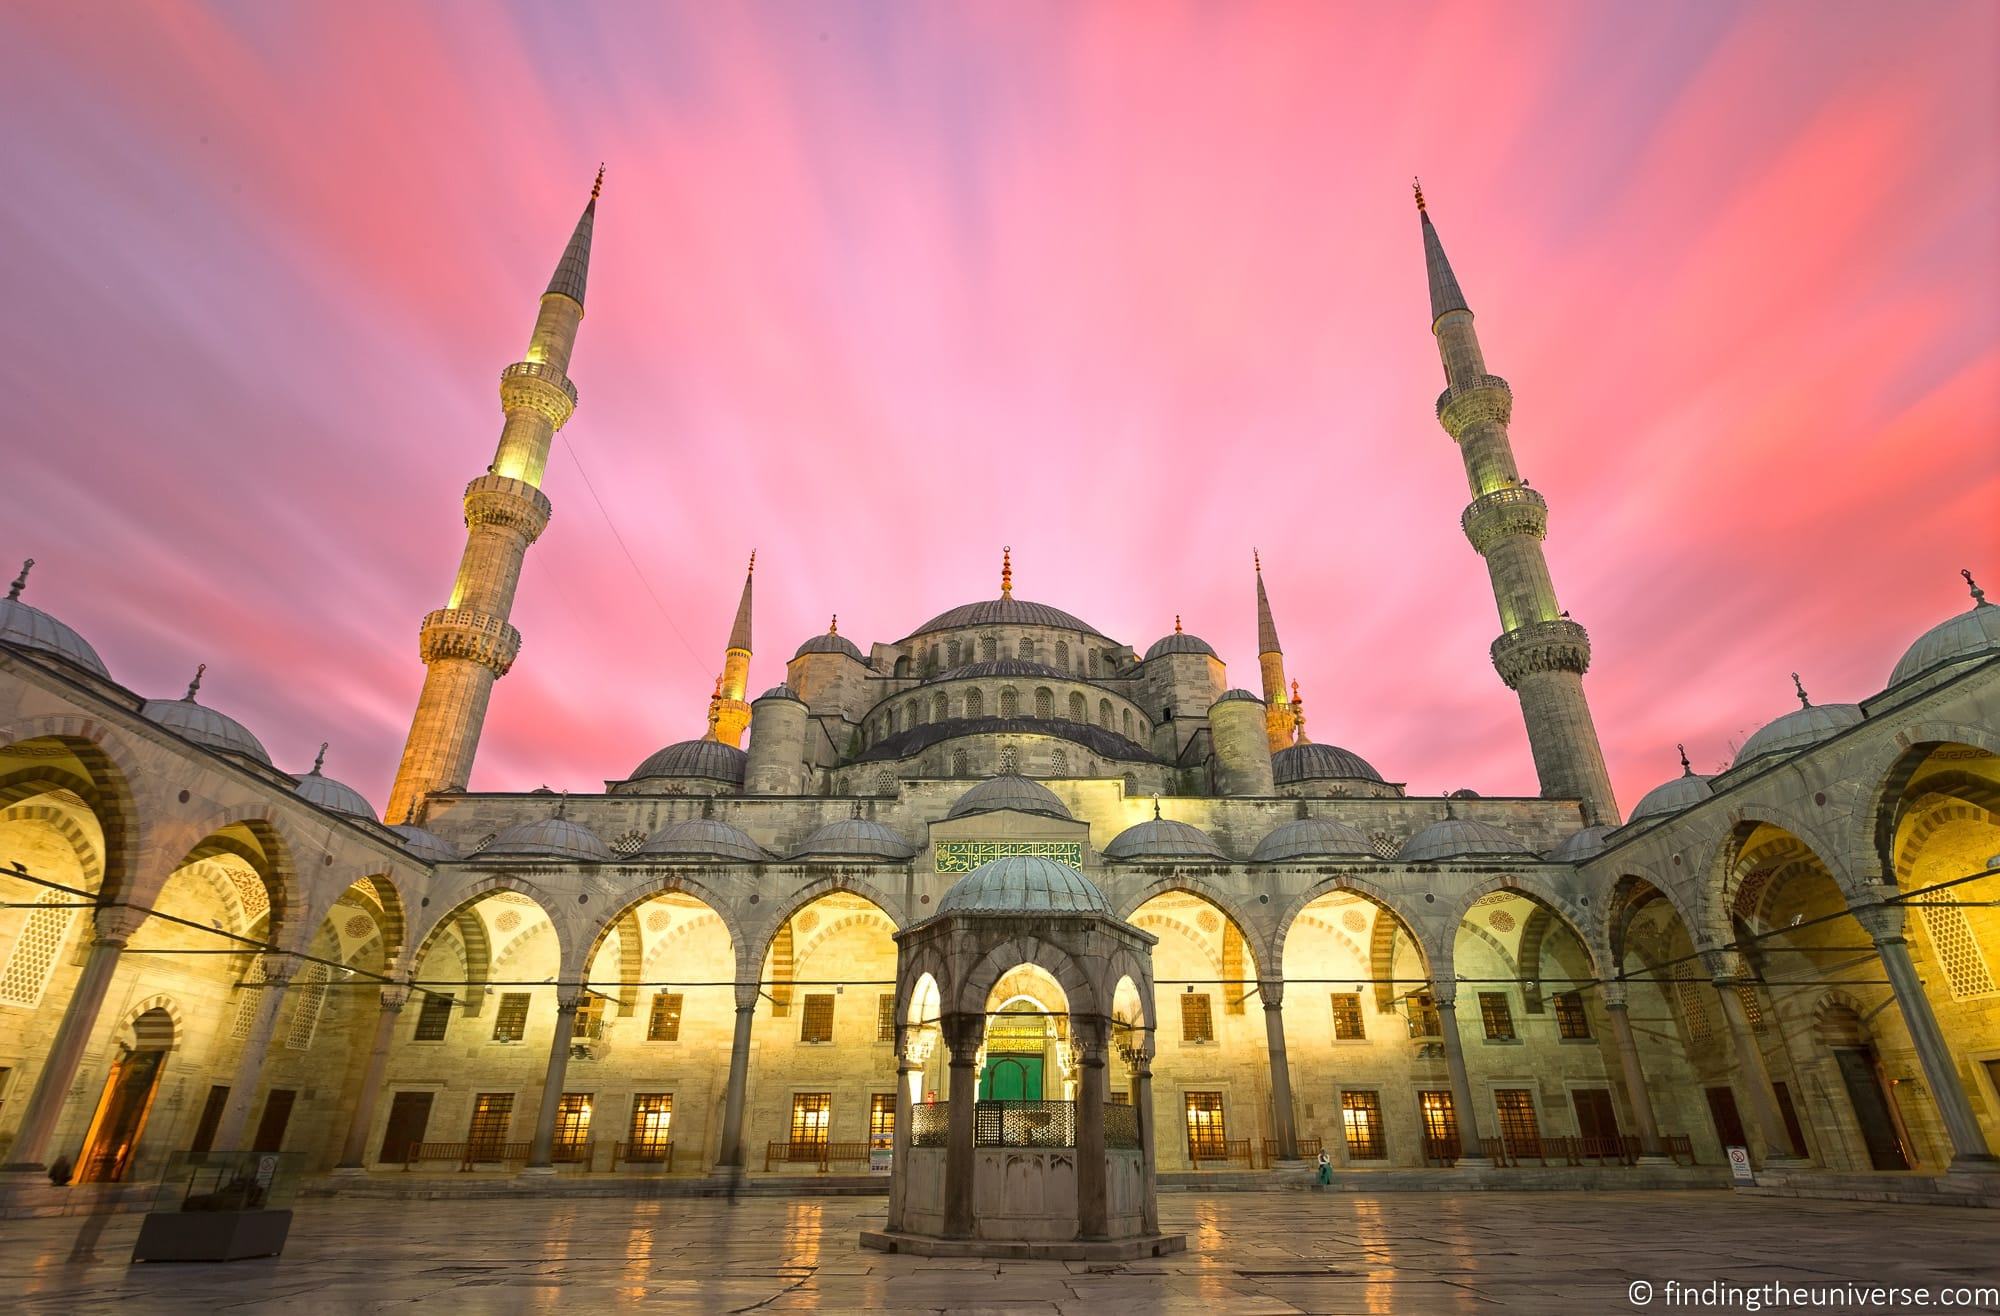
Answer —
(496, 500)
(1488, 400)
(463, 633)
(1515, 510)
(1541, 646)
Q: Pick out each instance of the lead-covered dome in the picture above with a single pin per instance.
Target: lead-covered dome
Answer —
(1459, 838)
(704, 838)
(317, 788)
(1581, 845)
(1024, 884)
(1316, 762)
(554, 838)
(991, 667)
(1233, 694)
(1007, 611)
(831, 642)
(1799, 729)
(1179, 642)
(1008, 792)
(854, 838)
(708, 759)
(425, 845)
(1969, 637)
(1163, 838)
(203, 725)
(1312, 838)
(27, 627)
(1669, 797)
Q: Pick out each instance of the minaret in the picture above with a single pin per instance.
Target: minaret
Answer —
(468, 644)
(1541, 654)
(732, 709)
(1271, 661)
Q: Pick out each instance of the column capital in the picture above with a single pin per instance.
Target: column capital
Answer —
(1614, 995)
(278, 966)
(1879, 914)
(965, 1034)
(1724, 966)
(1272, 992)
(1445, 999)
(394, 997)
(569, 999)
(115, 924)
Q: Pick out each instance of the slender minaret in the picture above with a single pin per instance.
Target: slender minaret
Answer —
(732, 708)
(1278, 721)
(468, 644)
(1541, 654)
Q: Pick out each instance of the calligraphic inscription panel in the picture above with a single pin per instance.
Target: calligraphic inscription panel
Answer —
(964, 856)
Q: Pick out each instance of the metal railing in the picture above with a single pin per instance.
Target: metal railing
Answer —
(1121, 1128)
(643, 1155)
(1226, 1151)
(1308, 1148)
(1024, 1124)
(930, 1124)
(543, 371)
(822, 1156)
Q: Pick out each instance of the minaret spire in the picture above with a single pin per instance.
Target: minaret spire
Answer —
(468, 644)
(1541, 654)
(731, 707)
(1279, 725)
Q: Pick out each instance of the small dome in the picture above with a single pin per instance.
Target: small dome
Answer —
(557, 838)
(1008, 792)
(427, 846)
(1312, 838)
(1232, 695)
(31, 628)
(205, 726)
(1579, 846)
(1797, 730)
(1007, 611)
(830, 643)
(1682, 792)
(854, 838)
(779, 692)
(1179, 642)
(1163, 838)
(1316, 762)
(1024, 884)
(337, 796)
(1967, 637)
(1458, 838)
(704, 838)
(710, 759)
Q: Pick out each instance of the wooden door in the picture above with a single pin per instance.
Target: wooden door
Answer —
(409, 1117)
(1871, 1108)
(1596, 1117)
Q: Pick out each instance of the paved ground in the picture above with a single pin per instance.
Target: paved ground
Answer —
(1250, 1252)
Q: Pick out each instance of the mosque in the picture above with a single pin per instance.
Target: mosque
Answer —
(696, 970)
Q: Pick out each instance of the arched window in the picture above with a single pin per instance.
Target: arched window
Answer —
(1058, 763)
(1062, 654)
(885, 782)
(989, 648)
(916, 711)
(1090, 660)
(940, 707)
(1009, 760)
(1027, 649)
(952, 652)
(1078, 710)
(1045, 702)
(1009, 702)
(1125, 722)
(903, 665)
(961, 766)
(1104, 713)
(975, 703)
(33, 960)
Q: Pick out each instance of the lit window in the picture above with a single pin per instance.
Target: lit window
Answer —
(1572, 1022)
(491, 1113)
(572, 1126)
(511, 1023)
(1347, 1016)
(881, 1121)
(664, 1025)
(1197, 1018)
(1207, 1136)
(1424, 1018)
(1440, 1124)
(1498, 1018)
(811, 1112)
(1361, 1117)
(817, 1023)
(434, 1019)
(652, 1127)
(885, 1017)
(1518, 1128)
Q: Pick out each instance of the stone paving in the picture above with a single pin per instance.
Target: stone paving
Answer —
(1249, 1252)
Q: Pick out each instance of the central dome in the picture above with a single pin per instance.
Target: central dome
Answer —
(1003, 612)
(1024, 884)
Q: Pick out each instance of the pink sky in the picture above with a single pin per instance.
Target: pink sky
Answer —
(880, 288)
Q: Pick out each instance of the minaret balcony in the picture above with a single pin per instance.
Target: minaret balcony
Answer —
(1560, 645)
(501, 500)
(1514, 510)
(475, 636)
(1488, 398)
(539, 386)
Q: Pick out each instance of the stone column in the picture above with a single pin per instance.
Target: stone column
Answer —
(907, 1064)
(277, 970)
(1651, 1149)
(1472, 1155)
(729, 1155)
(354, 1151)
(541, 1151)
(114, 927)
(1764, 1109)
(1284, 1126)
(1142, 1102)
(965, 1034)
(1093, 1201)
(1969, 1152)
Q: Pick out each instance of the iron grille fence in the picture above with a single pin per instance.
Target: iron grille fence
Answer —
(930, 1123)
(1024, 1124)
(1121, 1128)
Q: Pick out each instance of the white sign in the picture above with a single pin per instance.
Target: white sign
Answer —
(267, 1169)
(1739, 1165)
(880, 1159)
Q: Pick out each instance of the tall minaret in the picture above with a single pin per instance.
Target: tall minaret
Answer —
(1278, 723)
(1541, 654)
(468, 644)
(732, 710)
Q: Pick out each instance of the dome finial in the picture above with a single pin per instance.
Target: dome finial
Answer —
(1800, 687)
(195, 684)
(1177, 623)
(1006, 571)
(833, 627)
(1417, 186)
(1299, 716)
(21, 581)
(597, 186)
(319, 760)
(1687, 769)
(1978, 594)
(1156, 807)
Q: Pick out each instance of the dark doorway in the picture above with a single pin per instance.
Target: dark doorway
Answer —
(211, 1116)
(277, 1114)
(1795, 1132)
(1728, 1124)
(409, 1116)
(1595, 1116)
(1871, 1108)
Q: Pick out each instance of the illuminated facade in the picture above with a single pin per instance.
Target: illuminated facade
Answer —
(695, 968)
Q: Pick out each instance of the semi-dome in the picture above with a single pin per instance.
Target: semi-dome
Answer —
(203, 725)
(1005, 611)
(1179, 642)
(710, 759)
(1312, 838)
(854, 838)
(1581, 845)
(1024, 884)
(779, 692)
(1316, 762)
(704, 838)
(317, 788)
(1969, 636)
(1682, 792)
(1008, 792)
(1163, 838)
(1797, 730)
(1004, 667)
(27, 627)
(425, 845)
(555, 838)
(1458, 838)
(1233, 694)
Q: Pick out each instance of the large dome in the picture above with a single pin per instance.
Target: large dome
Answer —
(1163, 838)
(1008, 792)
(427, 846)
(1316, 762)
(1003, 612)
(1797, 730)
(708, 759)
(204, 726)
(1312, 838)
(556, 838)
(31, 628)
(1003, 667)
(1969, 636)
(1458, 838)
(1023, 884)
(1682, 792)
(854, 838)
(704, 838)
(317, 788)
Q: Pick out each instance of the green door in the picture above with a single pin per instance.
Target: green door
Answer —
(1011, 1078)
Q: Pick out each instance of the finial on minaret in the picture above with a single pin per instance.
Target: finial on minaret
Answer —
(195, 684)
(21, 581)
(1800, 687)
(319, 759)
(598, 186)
(1257, 561)
(1687, 769)
(1007, 571)
(1417, 186)
(1978, 594)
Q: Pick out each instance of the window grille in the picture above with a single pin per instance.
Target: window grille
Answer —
(1440, 1123)
(1692, 1008)
(305, 1012)
(1347, 1017)
(1009, 702)
(885, 1017)
(664, 1023)
(1009, 759)
(1062, 655)
(1497, 1016)
(1104, 714)
(1197, 1018)
(491, 1114)
(940, 707)
(1424, 1018)
(989, 648)
(1206, 1132)
(1572, 1021)
(1753, 1007)
(433, 1019)
(953, 654)
(652, 1127)
(811, 1113)
(1045, 703)
(246, 1012)
(33, 960)
(961, 763)
(816, 1024)
(1027, 649)
(1077, 708)
(1957, 948)
(1058, 763)
(1519, 1131)
(1361, 1117)
(572, 1126)
(975, 703)
(510, 1024)
(881, 1121)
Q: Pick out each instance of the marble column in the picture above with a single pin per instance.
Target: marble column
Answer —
(1764, 1109)
(1284, 1123)
(1615, 1009)
(354, 1151)
(1472, 1155)
(1142, 1102)
(729, 1156)
(1969, 1151)
(541, 1151)
(907, 1067)
(964, 1034)
(114, 926)
(277, 971)
(1091, 1034)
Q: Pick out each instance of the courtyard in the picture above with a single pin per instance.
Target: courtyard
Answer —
(1268, 1252)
